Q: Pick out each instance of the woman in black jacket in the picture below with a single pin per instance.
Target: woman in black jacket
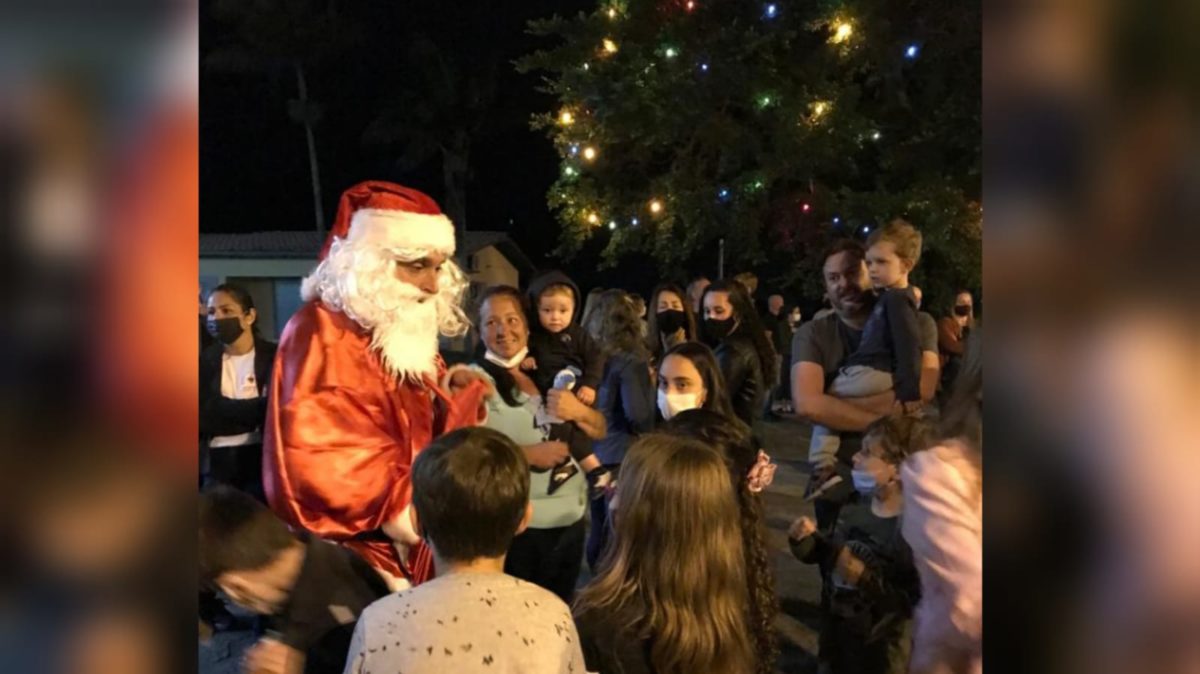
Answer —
(732, 327)
(234, 375)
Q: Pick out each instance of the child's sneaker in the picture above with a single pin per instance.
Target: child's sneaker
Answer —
(559, 476)
(599, 479)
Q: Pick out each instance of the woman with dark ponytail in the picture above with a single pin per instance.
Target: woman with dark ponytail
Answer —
(234, 374)
(750, 471)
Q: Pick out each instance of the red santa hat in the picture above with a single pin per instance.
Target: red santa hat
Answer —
(392, 216)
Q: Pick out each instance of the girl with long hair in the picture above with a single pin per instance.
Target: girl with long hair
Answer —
(732, 327)
(690, 378)
(670, 320)
(670, 597)
(749, 472)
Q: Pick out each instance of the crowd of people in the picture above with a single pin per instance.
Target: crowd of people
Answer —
(386, 512)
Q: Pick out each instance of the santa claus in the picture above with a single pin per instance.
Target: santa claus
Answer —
(359, 388)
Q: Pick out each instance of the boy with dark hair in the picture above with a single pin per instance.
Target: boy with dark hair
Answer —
(563, 355)
(870, 583)
(314, 589)
(470, 498)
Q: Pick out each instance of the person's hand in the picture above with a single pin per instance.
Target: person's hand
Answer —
(463, 378)
(586, 395)
(849, 567)
(564, 405)
(546, 454)
(802, 528)
(270, 656)
(912, 408)
(529, 364)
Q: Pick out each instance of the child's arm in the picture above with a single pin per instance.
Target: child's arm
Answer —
(891, 580)
(901, 311)
(807, 543)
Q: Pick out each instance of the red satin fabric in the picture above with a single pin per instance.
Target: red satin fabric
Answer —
(341, 435)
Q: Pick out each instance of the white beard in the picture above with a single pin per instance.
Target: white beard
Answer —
(359, 280)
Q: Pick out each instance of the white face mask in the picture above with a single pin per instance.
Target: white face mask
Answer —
(509, 363)
(671, 404)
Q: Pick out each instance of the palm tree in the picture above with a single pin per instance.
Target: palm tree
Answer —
(437, 111)
(283, 38)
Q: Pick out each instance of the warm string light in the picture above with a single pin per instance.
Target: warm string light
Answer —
(841, 32)
(610, 47)
(612, 12)
(670, 52)
(612, 224)
(592, 218)
(589, 153)
(566, 118)
(690, 5)
(656, 206)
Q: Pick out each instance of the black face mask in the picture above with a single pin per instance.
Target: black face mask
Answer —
(717, 329)
(962, 310)
(227, 330)
(671, 320)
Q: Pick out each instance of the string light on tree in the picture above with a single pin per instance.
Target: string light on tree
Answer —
(806, 208)
(570, 172)
(566, 118)
(633, 221)
(842, 31)
(574, 149)
(589, 153)
(703, 67)
(612, 12)
(866, 229)
(837, 220)
(771, 11)
(912, 51)
(690, 5)
(591, 217)
(670, 52)
(610, 47)
(723, 193)
(656, 206)
(876, 136)
(764, 100)
(612, 224)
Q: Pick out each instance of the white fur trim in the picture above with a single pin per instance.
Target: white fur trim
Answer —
(404, 230)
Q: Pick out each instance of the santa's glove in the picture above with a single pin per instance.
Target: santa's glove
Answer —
(599, 480)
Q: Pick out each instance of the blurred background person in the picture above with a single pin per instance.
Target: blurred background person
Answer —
(695, 292)
(953, 331)
(671, 322)
(747, 359)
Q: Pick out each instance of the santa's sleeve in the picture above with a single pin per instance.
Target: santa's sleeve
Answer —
(333, 464)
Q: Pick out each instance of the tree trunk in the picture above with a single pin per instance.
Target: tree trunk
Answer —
(454, 176)
(318, 211)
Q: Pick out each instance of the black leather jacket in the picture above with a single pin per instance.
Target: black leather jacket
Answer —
(743, 376)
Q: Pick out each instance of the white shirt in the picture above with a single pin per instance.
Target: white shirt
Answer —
(239, 382)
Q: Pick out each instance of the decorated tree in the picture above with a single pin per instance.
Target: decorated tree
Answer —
(775, 126)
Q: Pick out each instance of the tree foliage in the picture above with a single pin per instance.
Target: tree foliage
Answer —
(775, 126)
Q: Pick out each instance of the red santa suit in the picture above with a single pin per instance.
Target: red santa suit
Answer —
(343, 425)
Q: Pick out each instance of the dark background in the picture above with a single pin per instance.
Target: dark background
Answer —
(254, 169)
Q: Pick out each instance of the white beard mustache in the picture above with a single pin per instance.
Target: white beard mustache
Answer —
(359, 280)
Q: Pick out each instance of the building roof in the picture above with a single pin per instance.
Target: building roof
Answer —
(306, 245)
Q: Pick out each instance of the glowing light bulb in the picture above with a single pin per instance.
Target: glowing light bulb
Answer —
(837, 220)
(589, 153)
(612, 12)
(806, 208)
(911, 52)
(592, 218)
(610, 46)
(704, 67)
(758, 184)
(587, 66)
(820, 108)
(690, 5)
(574, 149)
(655, 206)
(841, 32)
(670, 53)
(772, 10)
(566, 118)
(612, 224)
(764, 101)
(633, 221)
(569, 171)
(723, 193)
(876, 136)
(866, 229)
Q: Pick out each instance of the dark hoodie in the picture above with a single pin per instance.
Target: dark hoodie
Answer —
(571, 347)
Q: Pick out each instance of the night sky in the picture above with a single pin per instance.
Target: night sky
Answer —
(254, 161)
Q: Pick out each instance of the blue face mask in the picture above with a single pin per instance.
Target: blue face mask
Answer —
(864, 482)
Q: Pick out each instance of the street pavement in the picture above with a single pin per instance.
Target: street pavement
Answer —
(798, 585)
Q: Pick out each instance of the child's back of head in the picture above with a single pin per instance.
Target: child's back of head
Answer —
(470, 493)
